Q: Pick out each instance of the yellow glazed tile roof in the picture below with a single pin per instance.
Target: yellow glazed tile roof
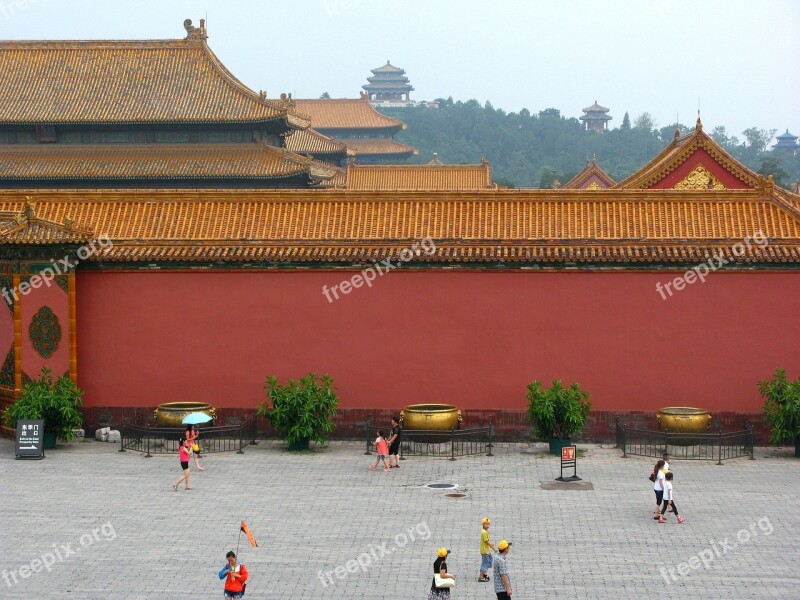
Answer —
(506, 226)
(24, 227)
(156, 81)
(346, 113)
(680, 149)
(153, 161)
(419, 177)
(590, 172)
(310, 141)
(380, 146)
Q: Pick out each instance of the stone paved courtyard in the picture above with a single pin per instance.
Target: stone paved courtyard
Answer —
(131, 536)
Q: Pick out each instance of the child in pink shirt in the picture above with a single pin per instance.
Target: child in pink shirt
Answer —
(383, 451)
(184, 453)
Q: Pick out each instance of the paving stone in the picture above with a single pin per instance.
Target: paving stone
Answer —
(115, 528)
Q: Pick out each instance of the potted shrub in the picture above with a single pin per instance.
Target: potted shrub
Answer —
(782, 408)
(57, 402)
(301, 411)
(557, 413)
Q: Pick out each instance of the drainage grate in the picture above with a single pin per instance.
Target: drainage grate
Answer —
(442, 486)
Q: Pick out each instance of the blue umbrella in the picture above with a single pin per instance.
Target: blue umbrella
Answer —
(196, 418)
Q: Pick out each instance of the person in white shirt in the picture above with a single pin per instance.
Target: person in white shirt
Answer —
(665, 456)
(658, 486)
(668, 500)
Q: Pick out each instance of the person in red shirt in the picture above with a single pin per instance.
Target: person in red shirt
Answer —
(192, 434)
(235, 576)
(184, 453)
(383, 451)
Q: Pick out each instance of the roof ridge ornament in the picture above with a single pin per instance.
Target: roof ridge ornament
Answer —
(195, 33)
(699, 125)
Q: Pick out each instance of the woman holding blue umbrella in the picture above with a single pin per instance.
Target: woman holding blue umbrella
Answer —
(192, 434)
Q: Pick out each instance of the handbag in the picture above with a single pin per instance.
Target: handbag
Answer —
(652, 477)
(196, 447)
(443, 583)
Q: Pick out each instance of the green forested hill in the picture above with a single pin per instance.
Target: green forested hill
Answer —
(529, 150)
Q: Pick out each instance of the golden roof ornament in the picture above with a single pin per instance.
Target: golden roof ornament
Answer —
(699, 125)
(195, 33)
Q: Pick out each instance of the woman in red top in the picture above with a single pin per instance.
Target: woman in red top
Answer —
(235, 576)
(192, 435)
(184, 455)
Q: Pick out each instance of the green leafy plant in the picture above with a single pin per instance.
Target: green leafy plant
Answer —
(557, 412)
(57, 402)
(781, 406)
(302, 410)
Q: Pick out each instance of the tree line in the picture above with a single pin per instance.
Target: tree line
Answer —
(534, 150)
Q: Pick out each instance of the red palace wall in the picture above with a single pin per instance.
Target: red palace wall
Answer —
(473, 339)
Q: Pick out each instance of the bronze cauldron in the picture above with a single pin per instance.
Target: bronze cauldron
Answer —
(172, 413)
(683, 419)
(435, 417)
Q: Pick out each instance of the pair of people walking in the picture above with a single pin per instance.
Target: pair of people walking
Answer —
(388, 448)
(662, 479)
(494, 557)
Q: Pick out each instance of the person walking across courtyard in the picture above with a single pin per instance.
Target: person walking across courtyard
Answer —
(502, 580)
(668, 500)
(657, 477)
(183, 456)
(383, 450)
(395, 437)
(445, 580)
(486, 551)
(235, 575)
(192, 435)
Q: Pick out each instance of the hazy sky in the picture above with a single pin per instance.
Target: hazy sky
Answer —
(740, 58)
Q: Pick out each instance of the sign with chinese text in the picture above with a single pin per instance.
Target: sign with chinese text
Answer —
(30, 439)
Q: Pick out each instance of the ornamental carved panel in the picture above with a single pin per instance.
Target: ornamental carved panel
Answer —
(45, 332)
(699, 179)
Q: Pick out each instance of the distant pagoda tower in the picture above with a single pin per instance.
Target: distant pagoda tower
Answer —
(595, 117)
(787, 143)
(388, 85)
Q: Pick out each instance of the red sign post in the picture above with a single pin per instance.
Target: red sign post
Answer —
(569, 461)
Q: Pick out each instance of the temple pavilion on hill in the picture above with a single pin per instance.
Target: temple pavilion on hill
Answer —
(144, 114)
(787, 143)
(356, 123)
(389, 86)
(595, 117)
(591, 177)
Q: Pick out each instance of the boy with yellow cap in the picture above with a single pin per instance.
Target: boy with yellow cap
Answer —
(486, 550)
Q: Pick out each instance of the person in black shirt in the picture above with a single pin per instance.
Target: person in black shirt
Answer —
(440, 567)
(395, 437)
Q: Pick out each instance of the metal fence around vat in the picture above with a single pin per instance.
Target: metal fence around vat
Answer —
(141, 436)
(716, 445)
(440, 444)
